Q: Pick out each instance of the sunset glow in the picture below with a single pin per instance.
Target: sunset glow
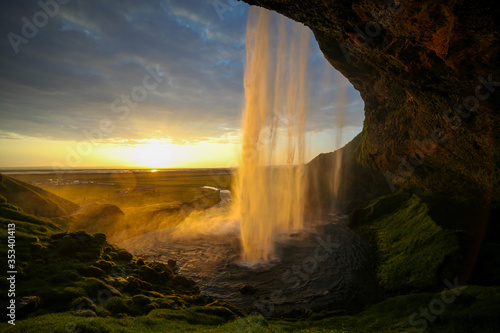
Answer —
(82, 94)
(154, 154)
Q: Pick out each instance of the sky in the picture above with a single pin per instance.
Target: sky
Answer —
(138, 84)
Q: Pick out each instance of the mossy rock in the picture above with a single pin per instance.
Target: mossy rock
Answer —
(147, 273)
(92, 271)
(161, 267)
(219, 311)
(98, 288)
(83, 302)
(123, 255)
(184, 282)
(58, 235)
(60, 298)
(86, 313)
(36, 248)
(106, 265)
(196, 300)
(155, 273)
(141, 300)
(227, 305)
(178, 301)
(135, 284)
(166, 303)
(79, 245)
(63, 277)
(119, 305)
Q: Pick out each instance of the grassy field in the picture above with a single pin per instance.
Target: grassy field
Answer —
(132, 189)
(125, 204)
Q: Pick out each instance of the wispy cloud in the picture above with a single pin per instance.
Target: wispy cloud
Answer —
(91, 53)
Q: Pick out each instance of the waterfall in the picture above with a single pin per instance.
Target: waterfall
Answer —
(270, 185)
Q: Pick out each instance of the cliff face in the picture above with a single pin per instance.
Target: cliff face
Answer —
(356, 183)
(427, 71)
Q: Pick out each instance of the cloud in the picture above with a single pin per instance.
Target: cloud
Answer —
(65, 79)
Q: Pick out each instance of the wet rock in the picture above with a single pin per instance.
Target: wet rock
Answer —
(247, 290)
(26, 305)
(172, 263)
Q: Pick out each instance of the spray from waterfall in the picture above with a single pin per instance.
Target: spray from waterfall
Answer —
(340, 100)
(270, 188)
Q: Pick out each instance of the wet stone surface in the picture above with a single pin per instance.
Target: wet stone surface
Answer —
(325, 266)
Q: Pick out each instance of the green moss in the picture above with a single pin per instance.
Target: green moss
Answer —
(82, 272)
(413, 251)
(227, 305)
(141, 300)
(469, 309)
(123, 255)
(83, 303)
(95, 287)
(166, 303)
(105, 265)
(119, 305)
(362, 151)
(79, 245)
(196, 315)
(59, 298)
(12, 212)
(377, 208)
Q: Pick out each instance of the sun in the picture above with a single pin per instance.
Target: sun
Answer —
(163, 153)
(154, 154)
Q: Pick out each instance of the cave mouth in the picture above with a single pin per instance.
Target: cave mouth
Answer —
(316, 264)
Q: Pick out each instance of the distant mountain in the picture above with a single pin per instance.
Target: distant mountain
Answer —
(34, 200)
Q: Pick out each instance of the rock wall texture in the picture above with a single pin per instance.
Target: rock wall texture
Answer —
(427, 71)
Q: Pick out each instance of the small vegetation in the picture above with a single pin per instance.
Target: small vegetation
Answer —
(79, 282)
(82, 276)
(34, 200)
(414, 252)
